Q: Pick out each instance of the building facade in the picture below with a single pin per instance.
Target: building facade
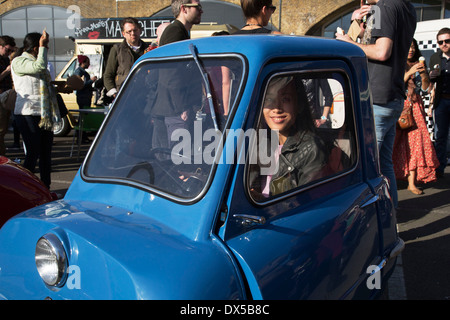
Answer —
(293, 16)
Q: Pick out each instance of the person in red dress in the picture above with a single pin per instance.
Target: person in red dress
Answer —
(414, 156)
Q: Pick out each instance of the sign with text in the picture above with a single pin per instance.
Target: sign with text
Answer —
(109, 28)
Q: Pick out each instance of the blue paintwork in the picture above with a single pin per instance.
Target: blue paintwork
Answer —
(131, 244)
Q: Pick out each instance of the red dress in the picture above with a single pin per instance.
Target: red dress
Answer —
(413, 149)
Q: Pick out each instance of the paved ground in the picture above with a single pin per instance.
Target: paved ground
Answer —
(424, 225)
(64, 166)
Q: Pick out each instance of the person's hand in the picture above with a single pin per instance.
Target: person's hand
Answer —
(319, 122)
(343, 37)
(361, 12)
(184, 115)
(418, 67)
(434, 74)
(44, 40)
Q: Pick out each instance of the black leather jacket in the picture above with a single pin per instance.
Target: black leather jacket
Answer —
(436, 58)
(302, 159)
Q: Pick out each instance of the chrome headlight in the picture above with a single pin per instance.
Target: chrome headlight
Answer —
(51, 259)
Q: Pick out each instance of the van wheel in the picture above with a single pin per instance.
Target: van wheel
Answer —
(61, 130)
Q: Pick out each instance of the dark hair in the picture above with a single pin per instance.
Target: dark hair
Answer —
(252, 8)
(443, 31)
(417, 53)
(129, 20)
(176, 6)
(303, 119)
(7, 40)
(220, 33)
(31, 41)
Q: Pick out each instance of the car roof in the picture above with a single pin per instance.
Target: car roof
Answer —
(256, 47)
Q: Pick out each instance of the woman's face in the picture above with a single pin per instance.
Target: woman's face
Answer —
(412, 51)
(280, 107)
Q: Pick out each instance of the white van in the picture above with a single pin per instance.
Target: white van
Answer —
(97, 50)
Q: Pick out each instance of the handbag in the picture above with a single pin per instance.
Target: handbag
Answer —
(406, 119)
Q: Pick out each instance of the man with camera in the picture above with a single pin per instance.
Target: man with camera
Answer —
(440, 74)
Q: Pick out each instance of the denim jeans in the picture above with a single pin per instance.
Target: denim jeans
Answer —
(441, 124)
(386, 117)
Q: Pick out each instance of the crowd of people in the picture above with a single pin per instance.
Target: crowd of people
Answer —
(397, 78)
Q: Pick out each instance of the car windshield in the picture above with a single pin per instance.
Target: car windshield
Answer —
(163, 132)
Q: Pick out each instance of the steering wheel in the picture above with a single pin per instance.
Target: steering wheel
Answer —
(142, 167)
(187, 187)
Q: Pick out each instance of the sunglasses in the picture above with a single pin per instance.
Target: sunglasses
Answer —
(194, 5)
(273, 8)
(441, 42)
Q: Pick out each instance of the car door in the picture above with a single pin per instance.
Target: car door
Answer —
(314, 238)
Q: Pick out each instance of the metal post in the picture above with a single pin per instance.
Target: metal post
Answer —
(280, 3)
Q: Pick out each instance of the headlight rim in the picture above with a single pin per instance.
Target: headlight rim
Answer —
(58, 250)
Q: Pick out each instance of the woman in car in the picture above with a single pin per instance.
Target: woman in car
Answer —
(299, 156)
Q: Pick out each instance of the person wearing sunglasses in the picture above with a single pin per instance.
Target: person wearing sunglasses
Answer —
(167, 117)
(440, 75)
(7, 45)
(257, 14)
(186, 13)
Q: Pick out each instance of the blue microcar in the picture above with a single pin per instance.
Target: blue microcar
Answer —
(228, 167)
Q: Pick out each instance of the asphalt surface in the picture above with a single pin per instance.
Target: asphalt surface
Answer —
(424, 225)
(64, 167)
(422, 270)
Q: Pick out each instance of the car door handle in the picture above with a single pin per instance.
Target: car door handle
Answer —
(372, 199)
(249, 220)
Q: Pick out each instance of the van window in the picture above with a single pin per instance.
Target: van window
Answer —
(70, 70)
(95, 67)
(305, 134)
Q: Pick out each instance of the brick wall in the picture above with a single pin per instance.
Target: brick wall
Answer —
(297, 16)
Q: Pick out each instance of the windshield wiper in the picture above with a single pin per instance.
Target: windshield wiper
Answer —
(207, 86)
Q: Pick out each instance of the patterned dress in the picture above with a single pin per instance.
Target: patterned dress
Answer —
(413, 149)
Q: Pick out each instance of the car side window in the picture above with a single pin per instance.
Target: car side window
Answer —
(305, 134)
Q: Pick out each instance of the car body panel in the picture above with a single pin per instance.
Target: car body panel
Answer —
(132, 241)
(19, 190)
(97, 240)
